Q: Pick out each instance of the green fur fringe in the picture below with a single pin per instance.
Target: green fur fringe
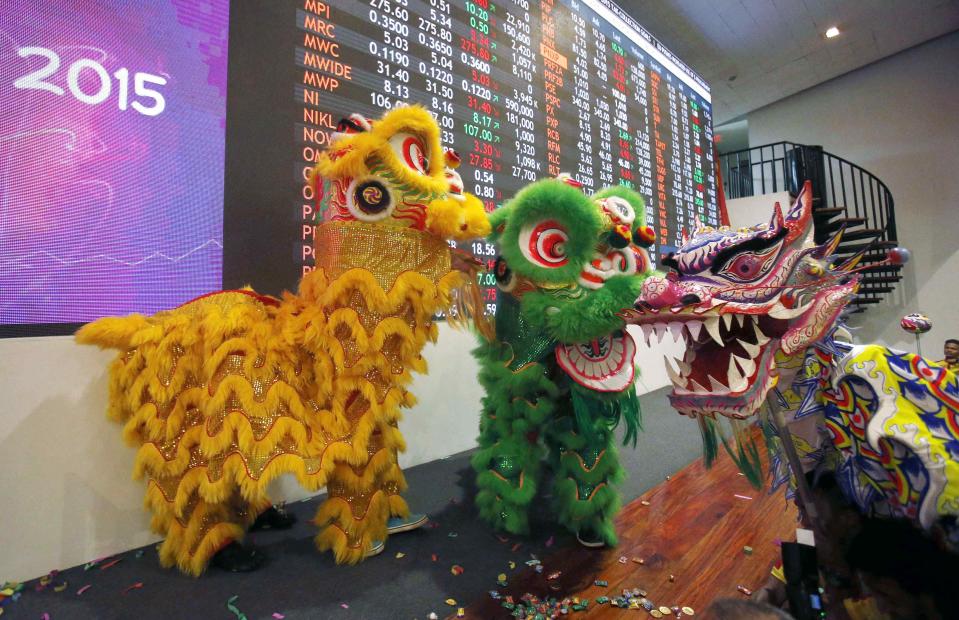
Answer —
(608, 409)
(746, 453)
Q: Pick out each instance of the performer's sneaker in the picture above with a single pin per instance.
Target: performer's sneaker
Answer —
(273, 518)
(238, 558)
(376, 549)
(590, 539)
(397, 524)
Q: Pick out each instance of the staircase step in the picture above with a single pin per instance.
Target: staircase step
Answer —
(848, 222)
(864, 288)
(865, 300)
(869, 277)
(828, 213)
(856, 310)
(862, 233)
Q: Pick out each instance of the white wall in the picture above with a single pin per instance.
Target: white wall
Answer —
(896, 118)
(65, 486)
(744, 212)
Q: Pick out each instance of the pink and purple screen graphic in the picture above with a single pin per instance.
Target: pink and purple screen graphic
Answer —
(111, 157)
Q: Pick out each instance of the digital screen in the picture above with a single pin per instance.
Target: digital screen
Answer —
(111, 158)
(522, 89)
(117, 194)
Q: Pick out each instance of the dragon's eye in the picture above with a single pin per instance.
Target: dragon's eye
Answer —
(544, 243)
(748, 265)
(411, 151)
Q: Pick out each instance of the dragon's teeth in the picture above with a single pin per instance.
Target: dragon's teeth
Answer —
(727, 321)
(674, 376)
(684, 368)
(739, 319)
(761, 338)
(737, 382)
(712, 326)
(695, 328)
(695, 387)
(751, 349)
(716, 386)
(676, 329)
(748, 366)
(660, 330)
(647, 332)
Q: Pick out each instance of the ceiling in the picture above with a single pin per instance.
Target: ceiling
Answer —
(755, 52)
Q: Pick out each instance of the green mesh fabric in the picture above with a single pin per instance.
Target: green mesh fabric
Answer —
(528, 343)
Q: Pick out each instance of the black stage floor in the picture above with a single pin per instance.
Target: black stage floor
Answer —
(298, 582)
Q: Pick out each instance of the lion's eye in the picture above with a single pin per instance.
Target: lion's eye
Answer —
(411, 151)
(544, 244)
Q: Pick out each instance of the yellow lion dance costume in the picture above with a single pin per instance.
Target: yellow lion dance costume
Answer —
(230, 390)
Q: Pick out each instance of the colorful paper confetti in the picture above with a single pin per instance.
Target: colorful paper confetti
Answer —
(231, 606)
(111, 563)
(135, 586)
(84, 589)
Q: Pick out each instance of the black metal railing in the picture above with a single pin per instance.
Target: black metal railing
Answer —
(841, 189)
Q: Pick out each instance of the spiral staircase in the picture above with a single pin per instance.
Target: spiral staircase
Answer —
(844, 195)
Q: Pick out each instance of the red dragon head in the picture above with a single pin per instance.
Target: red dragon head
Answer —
(741, 299)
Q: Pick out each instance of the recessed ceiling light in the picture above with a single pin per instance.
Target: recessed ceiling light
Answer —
(832, 32)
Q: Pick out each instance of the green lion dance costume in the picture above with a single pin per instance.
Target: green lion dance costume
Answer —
(559, 374)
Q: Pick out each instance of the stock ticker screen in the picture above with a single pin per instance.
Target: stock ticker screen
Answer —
(155, 150)
(523, 90)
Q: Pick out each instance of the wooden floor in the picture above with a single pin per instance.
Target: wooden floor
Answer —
(694, 529)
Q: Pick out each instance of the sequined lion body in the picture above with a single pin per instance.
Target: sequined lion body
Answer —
(226, 392)
(558, 375)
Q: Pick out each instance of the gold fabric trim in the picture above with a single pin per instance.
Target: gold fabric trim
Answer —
(385, 252)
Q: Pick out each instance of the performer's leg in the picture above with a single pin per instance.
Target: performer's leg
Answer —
(360, 500)
(586, 465)
(508, 467)
(200, 531)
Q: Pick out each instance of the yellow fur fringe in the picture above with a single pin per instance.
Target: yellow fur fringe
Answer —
(226, 393)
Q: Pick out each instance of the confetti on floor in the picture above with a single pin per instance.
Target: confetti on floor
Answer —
(135, 586)
(231, 606)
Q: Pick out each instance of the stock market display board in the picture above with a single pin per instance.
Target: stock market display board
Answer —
(523, 90)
